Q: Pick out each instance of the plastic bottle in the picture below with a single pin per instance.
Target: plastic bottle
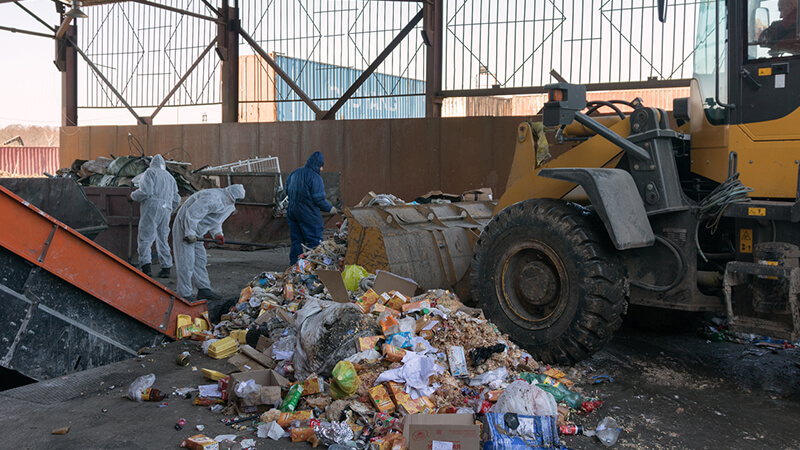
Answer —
(572, 399)
(608, 431)
(153, 395)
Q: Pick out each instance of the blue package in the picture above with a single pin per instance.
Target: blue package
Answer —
(528, 432)
(401, 340)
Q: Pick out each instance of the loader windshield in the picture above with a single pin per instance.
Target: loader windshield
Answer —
(705, 59)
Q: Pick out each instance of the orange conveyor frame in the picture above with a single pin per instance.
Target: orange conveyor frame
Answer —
(47, 243)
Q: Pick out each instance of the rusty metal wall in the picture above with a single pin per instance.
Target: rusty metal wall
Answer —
(405, 157)
(29, 161)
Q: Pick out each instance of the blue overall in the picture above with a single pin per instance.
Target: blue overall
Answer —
(306, 194)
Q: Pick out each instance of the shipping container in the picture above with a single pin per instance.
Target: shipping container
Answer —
(265, 97)
(29, 161)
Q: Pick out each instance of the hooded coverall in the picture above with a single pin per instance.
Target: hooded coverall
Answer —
(306, 194)
(204, 211)
(158, 193)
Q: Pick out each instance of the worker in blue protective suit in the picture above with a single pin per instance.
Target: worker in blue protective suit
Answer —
(306, 194)
(158, 193)
(203, 212)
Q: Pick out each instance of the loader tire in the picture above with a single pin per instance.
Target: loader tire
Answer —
(546, 274)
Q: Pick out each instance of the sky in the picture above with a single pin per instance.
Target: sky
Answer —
(30, 84)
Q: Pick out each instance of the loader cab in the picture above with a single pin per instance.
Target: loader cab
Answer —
(745, 97)
(748, 75)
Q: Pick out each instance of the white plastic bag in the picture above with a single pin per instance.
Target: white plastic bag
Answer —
(520, 397)
(139, 385)
(369, 354)
(247, 388)
(494, 378)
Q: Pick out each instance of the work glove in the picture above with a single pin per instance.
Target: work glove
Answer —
(190, 239)
(219, 239)
(334, 210)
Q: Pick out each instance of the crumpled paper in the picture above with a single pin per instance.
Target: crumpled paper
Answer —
(415, 373)
(271, 430)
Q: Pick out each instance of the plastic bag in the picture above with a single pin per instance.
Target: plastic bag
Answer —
(139, 385)
(207, 344)
(352, 275)
(345, 380)
(494, 378)
(369, 354)
(608, 431)
(247, 388)
(526, 399)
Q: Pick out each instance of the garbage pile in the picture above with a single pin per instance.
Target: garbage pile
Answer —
(123, 170)
(359, 360)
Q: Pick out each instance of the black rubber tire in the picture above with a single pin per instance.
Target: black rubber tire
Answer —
(546, 274)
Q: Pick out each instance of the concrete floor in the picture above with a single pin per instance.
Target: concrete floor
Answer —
(670, 391)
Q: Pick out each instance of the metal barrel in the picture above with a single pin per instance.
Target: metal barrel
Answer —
(431, 244)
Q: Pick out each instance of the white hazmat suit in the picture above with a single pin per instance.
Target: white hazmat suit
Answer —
(203, 212)
(158, 194)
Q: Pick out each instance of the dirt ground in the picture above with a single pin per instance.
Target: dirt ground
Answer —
(670, 391)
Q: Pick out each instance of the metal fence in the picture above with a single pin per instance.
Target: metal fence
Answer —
(516, 43)
(487, 44)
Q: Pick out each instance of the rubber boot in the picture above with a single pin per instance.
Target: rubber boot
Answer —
(164, 272)
(146, 269)
(207, 294)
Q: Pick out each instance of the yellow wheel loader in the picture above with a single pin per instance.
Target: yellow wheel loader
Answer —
(700, 216)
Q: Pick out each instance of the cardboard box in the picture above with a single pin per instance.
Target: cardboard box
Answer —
(458, 362)
(396, 301)
(477, 195)
(422, 429)
(286, 418)
(313, 385)
(366, 301)
(366, 343)
(267, 377)
(441, 195)
(201, 442)
(392, 353)
(264, 345)
(365, 201)
(380, 398)
(244, 363)
(421, 405)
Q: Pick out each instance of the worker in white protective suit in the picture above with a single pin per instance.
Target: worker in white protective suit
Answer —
(158, 194)
(203, 212)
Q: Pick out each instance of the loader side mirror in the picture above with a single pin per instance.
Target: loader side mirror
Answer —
(760, 22)
(662, 11)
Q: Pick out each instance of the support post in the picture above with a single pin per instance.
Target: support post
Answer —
(432, 35)
(68, 55)
(228, 50)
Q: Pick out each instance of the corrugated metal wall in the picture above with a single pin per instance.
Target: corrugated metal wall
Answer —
(265, 97)
(29, 161)
(404, 157)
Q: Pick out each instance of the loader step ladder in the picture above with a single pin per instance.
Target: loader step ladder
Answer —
(738, 273)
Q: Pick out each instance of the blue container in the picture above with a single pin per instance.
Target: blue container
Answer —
(391, 97)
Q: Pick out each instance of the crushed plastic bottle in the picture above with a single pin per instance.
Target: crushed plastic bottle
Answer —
(608, 431)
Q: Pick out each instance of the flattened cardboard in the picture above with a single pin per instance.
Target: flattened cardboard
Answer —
(259, 357)
(388, 282)
(264, 344)
(477, 195)
(280, 313)
(421, 429)
(244, 363)
(332, 279)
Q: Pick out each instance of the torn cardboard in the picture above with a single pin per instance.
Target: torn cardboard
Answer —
(266, 378)
(275, 313)
(388, 282)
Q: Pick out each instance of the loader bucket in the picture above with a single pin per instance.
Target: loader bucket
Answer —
(431, 244)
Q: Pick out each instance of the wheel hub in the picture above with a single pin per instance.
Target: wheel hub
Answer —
(536, 283)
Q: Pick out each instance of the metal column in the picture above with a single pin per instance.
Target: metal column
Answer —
(68, 56)
(228, 51)
(432, 36)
